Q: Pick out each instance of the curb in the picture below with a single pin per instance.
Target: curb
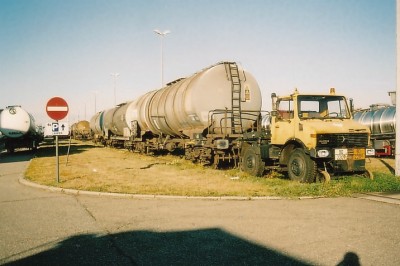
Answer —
(143, 196)
(380, 197)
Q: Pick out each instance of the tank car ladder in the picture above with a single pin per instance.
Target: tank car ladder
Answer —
(233, 73)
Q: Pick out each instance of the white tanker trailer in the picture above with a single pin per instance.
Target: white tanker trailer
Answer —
(18, 129)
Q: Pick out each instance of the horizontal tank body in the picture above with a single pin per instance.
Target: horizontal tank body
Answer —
(15, 122)
(96, 123)
(381, 120)
(81, 129)
(188, 105)
(83, 126)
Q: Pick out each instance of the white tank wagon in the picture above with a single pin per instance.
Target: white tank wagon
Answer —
(204, 114)
(381, 120)
(19, 129)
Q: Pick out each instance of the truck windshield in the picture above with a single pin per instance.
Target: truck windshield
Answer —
(322, 107)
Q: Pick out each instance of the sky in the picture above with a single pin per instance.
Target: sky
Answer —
(70, 48)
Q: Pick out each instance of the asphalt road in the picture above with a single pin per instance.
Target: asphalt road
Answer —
(41, 227)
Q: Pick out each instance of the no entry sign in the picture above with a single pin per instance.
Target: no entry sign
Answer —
(57, 108)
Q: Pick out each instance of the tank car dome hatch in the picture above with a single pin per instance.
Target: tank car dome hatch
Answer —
(392, 95)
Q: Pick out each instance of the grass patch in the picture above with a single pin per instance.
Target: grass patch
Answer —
(95, 168)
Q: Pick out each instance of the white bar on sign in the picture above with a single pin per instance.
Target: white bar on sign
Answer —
(57, 108)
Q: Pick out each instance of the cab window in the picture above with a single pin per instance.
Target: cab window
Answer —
(322, 107)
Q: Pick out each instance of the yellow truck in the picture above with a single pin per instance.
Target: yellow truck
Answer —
(312, 137)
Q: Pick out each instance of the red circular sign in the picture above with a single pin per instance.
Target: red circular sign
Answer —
(57, 108)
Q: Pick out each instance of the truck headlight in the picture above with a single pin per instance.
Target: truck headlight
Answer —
(323, 153)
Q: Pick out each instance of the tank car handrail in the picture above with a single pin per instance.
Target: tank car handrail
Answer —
(254, 115)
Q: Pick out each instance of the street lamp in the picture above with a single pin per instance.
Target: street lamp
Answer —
(95, 102)
(115, 76)
(162, 34)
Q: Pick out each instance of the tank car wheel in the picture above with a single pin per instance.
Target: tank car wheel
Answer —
(252, 163)
(322, 177)
(301, 167)
(368, 174)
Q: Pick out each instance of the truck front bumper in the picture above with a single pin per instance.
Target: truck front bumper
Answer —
(343, 159)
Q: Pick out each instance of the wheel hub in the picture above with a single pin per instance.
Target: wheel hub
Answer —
(297, 168)
(250, 162)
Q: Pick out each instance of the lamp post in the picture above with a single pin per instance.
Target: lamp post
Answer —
(115, 76)
(162, 34)
(95, 101)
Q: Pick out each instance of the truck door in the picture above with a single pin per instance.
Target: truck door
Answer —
(283, 128)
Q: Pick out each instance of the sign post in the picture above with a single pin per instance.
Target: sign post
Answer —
(57, 109)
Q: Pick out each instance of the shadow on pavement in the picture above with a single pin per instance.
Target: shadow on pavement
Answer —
(18, 156)
(197, 247)
(45, 150)
(350, 259)
(49, 150)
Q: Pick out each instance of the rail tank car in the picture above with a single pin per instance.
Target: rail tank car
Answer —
(81, 130)
(19, 129)
(381, 119)
(96, 124)
(203, 114)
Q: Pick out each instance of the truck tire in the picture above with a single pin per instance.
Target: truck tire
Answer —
(301, 167)
(251, 162)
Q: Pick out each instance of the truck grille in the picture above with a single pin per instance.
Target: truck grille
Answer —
(342, 140)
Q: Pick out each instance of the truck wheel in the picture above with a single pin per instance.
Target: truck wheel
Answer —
(301, 167)
(252, 163)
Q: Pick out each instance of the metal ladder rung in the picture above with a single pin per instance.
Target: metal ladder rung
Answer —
(233, 76)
